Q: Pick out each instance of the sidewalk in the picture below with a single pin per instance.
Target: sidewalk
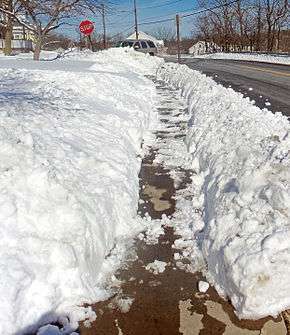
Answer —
(158, 292)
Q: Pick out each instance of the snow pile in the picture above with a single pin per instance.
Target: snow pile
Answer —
(45, 55)
(68, 182)
(241, 193)
(111, 60)
(279, 59)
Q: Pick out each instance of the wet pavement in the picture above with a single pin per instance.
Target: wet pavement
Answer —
(165, 299)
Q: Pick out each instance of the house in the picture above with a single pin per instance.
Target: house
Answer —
(20, 32)
(202, 47)
(22, 38)
(144, 36)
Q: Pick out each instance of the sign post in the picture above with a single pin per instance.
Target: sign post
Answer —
(86, 28)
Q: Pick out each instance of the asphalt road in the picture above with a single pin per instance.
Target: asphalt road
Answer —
(267, 84)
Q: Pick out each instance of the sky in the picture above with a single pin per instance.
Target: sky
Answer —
(120, 17)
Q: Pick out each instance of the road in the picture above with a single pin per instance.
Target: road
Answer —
(267, 84)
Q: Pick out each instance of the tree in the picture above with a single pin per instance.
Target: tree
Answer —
(276, 10)
(164, 33)
(6, 22)
(243, 25)
(48, 15)
(8, 29)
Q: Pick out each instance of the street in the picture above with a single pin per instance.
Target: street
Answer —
(267, 84)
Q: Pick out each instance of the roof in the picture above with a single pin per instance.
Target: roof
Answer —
(144, 36)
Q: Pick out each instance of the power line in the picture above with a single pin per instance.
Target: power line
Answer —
(209, 9)
(123, 31)
(162, 5)
(190, 14)
(153, 22)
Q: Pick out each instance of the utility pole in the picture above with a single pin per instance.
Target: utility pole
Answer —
(178, 36)
(136, 20)
(104, 26)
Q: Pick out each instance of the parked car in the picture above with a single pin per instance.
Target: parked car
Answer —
(145, 46)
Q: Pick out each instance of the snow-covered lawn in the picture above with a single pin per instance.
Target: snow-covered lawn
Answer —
(70, 134)
(238, 221)
(278, 59)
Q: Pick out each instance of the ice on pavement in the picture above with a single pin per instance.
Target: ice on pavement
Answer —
(236, 213)
(69, 167)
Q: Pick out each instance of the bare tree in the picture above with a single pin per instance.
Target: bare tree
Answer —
(276, 11)
(48, 15)
(164, 33)
(244, 25)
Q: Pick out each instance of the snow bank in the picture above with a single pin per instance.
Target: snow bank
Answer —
(68, 181)
(279, 59)
(241, 188)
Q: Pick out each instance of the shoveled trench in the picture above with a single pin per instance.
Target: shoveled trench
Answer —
(168, 302)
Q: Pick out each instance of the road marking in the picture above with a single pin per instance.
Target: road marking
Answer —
(276, 73)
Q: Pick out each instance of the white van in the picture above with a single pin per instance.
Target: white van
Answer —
(145, 46)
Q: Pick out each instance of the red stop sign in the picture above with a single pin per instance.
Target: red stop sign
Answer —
(86, 27)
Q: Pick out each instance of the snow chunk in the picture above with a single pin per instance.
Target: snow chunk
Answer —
(203, 286)
(156, 267)
(125, 304)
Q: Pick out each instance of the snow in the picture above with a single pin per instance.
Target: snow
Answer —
(255, 57)
(156, 267)
(124, 304)
(203, 286)
(70, 134)
(235, 215)
(69, 159)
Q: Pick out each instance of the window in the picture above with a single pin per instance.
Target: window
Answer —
(144, 45)
(130, 44)
(151, 44)
(124, 44)
(137, 45)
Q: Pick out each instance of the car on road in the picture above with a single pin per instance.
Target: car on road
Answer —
(145, 46)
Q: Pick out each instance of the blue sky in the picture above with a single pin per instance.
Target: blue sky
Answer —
(121, 17)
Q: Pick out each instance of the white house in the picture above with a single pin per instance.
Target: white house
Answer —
(19, 31)
(22, 39)
(202, 47)
(144, 36)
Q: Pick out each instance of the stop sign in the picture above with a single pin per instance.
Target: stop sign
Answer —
(86, 27)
